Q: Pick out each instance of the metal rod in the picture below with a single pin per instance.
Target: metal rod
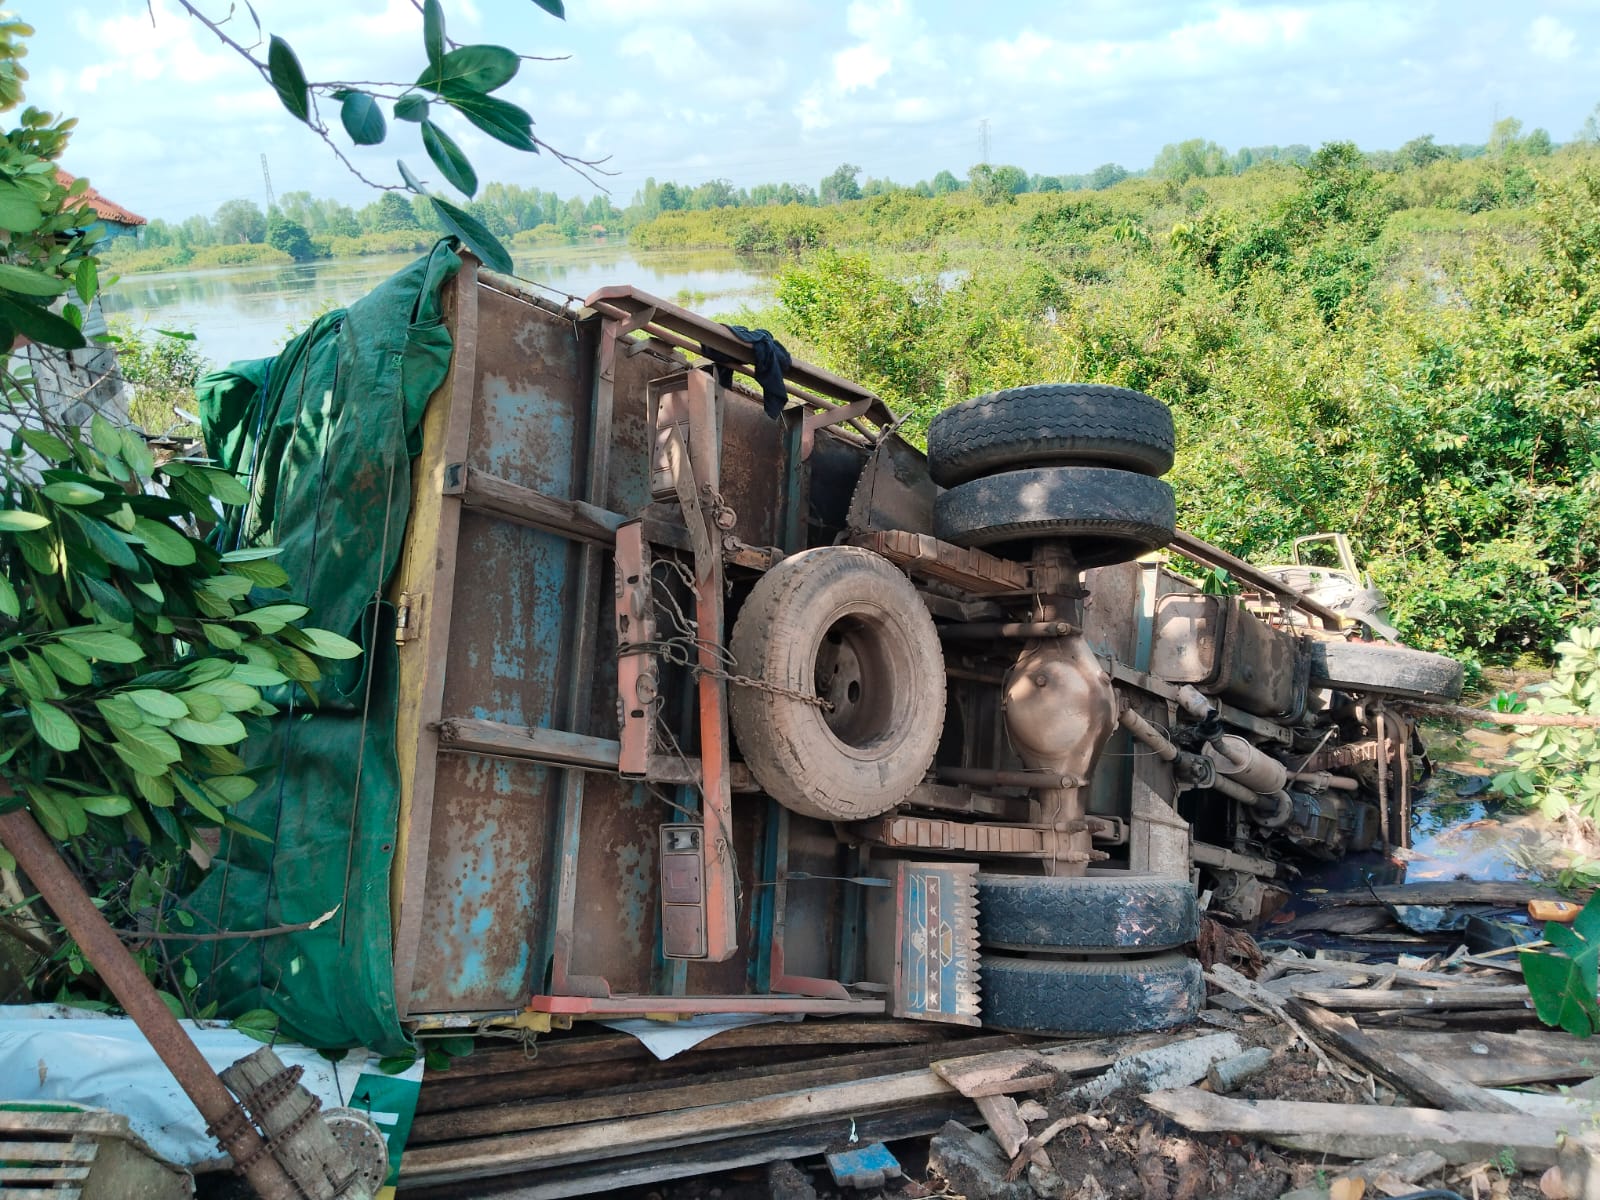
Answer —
(1008, 629)
(979, 776)
(1383, 783)
(47, 871)
(1323, 780)
(1149, 735)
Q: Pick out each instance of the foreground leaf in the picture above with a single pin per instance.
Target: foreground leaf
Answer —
(288, 79)
(363, 119)
(478, 239)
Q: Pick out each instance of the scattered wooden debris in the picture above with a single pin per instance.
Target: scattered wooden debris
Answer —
(1360, 1130)
(1429, 1084)
(1438, 892)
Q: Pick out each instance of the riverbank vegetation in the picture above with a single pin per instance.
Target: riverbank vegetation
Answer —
(1400, 344)
(1406, 349)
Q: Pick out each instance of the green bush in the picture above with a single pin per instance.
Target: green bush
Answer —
(162, 366)
(1557, 768)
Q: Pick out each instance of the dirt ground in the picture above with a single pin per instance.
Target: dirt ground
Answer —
(1141, 1155)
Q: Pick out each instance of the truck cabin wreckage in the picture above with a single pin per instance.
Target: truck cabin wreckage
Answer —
(706, 712)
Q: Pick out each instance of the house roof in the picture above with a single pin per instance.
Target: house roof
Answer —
(103, 208)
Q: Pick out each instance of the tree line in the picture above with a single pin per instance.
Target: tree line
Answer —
(304, 227)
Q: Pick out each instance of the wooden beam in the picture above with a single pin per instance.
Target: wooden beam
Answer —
(1434, 1085)
(691, 1092)
(1396, 999)
(503, 1155)
(1364, 1130)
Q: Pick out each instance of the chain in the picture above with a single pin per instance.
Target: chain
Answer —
(762, 685)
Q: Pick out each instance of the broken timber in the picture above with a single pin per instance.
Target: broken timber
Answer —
(1362, 1131)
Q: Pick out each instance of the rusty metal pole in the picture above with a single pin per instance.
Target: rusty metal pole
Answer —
(37, 856)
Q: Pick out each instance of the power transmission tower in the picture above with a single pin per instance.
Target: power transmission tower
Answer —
(266, 175)
(983, 142)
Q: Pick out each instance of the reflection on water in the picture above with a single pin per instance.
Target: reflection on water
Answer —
(248, 312)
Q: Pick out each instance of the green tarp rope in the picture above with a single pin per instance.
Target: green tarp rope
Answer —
(326, 432)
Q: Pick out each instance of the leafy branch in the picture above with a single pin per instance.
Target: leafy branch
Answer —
(455, 78)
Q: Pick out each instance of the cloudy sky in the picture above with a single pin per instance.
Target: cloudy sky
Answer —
(171, 123)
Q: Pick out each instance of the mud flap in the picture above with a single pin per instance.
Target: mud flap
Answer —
(922, 940)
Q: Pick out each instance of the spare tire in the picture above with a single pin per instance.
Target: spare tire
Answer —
(843, 624)
(1385, 669)
(1086, 914)
(1059, 996)
(1104, 515)
(1051, 424)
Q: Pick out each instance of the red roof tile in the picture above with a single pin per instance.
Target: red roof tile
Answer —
(103, 208)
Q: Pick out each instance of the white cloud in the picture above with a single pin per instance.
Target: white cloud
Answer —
(859, 67)
(1549, 38)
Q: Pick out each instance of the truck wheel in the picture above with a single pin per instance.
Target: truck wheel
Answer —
(844, 624)
(1086, 914)
(1388, 670)
(1059, 996)
(1050, 424)
(1105, 515)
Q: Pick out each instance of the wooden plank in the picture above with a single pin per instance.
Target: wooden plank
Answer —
(998, 1074)
(90, 1122)
(1445, 891)
(1496, 1059)
(608, 1139)
(1408, 1000)
(47, 1152)
(1434, 1085)
(587, 1050)
(1364, 1131)
(61, 1174)
(529, 1079)
(693, 1091)
(1376, 971)
(610, 1176)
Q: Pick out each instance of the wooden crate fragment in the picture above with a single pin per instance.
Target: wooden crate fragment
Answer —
(58, 1151)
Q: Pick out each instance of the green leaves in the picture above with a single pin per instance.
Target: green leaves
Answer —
(1563, 980)
(40, 324)
(19, 212)
(500, 120)
(432, 36)
(553, 7)
(27, 282)
(54, 727)
(474, 68)
(102, 644)
(259, 1023)
(362, 119)
(448, 158)
(411, 107)
(164, 543)
(288, 79)
(12, 520)
(478, 239)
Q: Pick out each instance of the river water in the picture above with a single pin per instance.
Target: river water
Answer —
(249, 312)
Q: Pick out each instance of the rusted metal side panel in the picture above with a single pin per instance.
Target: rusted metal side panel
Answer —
(617, 907)
(754, 462)
(481, 917)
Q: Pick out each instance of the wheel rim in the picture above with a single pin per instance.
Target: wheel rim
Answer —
(857, 664)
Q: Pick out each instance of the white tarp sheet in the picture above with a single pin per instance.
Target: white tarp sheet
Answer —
(52, 1052)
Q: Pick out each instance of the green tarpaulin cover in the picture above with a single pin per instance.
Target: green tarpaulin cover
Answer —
(326, 432)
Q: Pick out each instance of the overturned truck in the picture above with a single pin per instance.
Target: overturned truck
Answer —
(714, 694)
